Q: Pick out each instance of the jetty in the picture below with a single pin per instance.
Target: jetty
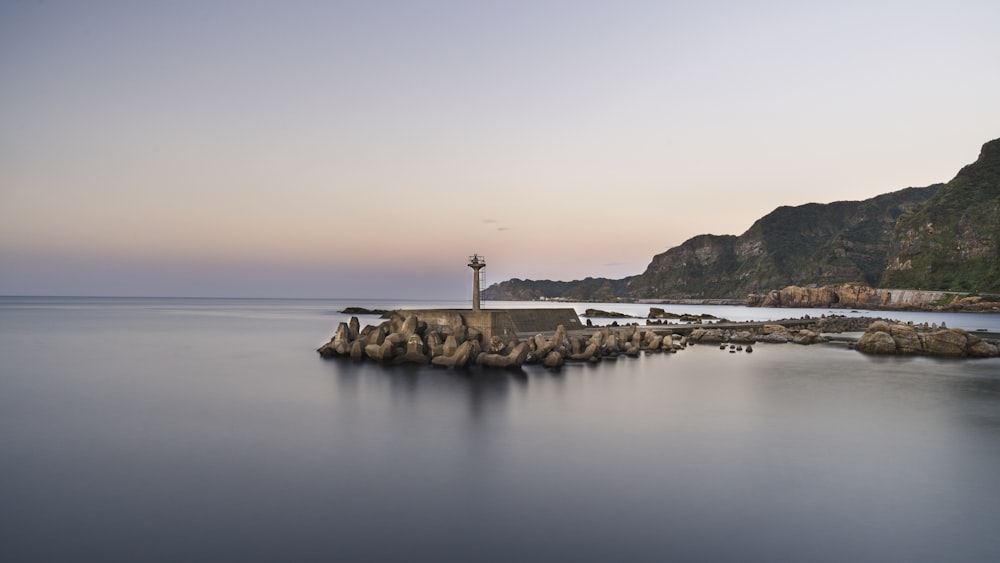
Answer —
(510, 338)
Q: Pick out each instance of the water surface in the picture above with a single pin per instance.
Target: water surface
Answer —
(198, 430)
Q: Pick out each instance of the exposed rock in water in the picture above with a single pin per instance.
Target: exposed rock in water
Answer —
(885, 338)
(605, 314)
(364, 311)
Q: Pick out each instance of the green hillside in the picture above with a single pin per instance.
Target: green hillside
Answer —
(942, 237)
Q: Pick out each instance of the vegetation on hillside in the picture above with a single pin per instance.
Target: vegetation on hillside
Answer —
(942, 237)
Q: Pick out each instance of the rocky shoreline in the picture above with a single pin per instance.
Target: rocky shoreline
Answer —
(411, 340)
(861, 296)
(884, 337)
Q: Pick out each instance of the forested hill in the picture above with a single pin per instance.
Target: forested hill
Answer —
(944, 236)
(953, 240)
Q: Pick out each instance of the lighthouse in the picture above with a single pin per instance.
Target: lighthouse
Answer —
(476, 262)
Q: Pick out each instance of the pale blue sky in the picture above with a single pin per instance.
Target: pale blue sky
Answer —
(365, 149)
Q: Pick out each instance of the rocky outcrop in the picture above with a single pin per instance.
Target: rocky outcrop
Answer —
(860, 296)
(897, 338)
(843, 295)
(605, 314)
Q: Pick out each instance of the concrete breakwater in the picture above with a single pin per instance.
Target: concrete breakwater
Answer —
(402, 340)
(451, 338)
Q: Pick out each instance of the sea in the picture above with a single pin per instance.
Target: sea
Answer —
(188, 430)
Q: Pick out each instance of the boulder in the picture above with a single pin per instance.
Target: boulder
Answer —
(983, 349)
(944, 343)
(805, 336)
(707, 335)
(775, 338)
(742, 337)
(876, 342)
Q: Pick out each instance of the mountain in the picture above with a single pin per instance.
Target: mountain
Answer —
(952, 241)
(944, 236)
(804, 245)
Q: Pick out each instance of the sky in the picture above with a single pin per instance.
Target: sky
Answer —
(366, 149)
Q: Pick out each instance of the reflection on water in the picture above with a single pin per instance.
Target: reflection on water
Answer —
(214, 432)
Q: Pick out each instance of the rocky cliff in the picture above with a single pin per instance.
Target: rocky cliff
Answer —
(952, 241)
(844, 241)
(941, 237)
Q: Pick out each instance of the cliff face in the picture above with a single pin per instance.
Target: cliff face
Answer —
(942, 237)
(844, 241)
(952, 241)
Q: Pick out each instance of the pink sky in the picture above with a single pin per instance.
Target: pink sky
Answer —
(366, 149)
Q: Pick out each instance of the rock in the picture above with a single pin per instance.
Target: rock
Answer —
(707, 335)
(983, 349)
(354, 327)
(742, 337)
(775, 338)
(658, 313)
(906, 338)
(876, 342)
(879, 326)
(605, 314)
(944, 343)
(805, 336)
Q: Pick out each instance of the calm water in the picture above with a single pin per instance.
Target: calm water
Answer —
(210, 430)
